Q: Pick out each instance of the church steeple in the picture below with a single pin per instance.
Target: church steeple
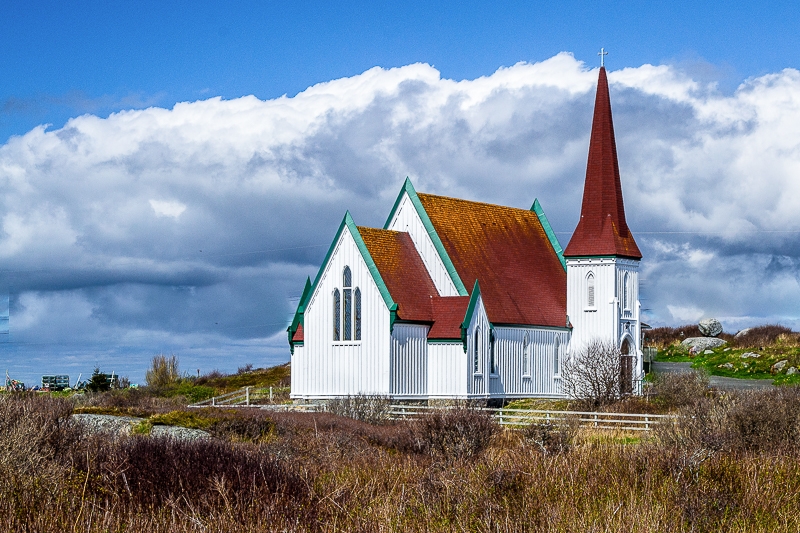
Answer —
(602, 229)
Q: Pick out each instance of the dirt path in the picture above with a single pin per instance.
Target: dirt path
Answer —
(718, 382)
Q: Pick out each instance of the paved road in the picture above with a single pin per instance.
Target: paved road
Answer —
(718, 382)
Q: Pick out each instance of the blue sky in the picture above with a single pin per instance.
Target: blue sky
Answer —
(162, 209)
(63, 59)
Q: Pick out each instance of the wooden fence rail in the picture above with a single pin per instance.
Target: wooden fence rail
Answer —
(254, 396)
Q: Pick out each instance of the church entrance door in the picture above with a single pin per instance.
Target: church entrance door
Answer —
(625, 369)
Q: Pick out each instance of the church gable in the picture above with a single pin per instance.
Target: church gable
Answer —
(347, 253)
(509, 252)
(408, 216)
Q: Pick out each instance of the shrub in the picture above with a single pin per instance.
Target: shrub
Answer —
(371, 409)
(766, 420)
(680, 389)
(769, 335)
(552, 437)
(592, 375)
(454, 433)
(163, 371)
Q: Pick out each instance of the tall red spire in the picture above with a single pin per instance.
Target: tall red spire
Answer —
(602, 229)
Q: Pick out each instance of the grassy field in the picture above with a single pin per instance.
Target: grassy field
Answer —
(731, 463)
(751, 356)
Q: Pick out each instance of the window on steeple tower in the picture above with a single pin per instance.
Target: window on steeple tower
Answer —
(590, 290)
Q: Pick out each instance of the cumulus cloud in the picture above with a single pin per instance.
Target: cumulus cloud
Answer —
(192, 229)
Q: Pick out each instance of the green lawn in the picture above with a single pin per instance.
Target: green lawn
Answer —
(742, 367)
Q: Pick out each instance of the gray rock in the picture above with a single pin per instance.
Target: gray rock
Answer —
(791, 371)
(119, 425)
(702, 343)
(707, 352)
(779, 366)
(729, 366)
(123, 425)
(179, 433)
(710, 327)
(750, 355)
(726, 350)
(742, 333)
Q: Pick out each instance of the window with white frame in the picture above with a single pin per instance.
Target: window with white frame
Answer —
(526, 356)
(590, 290)
(626, 291)
(557, 356)
(476, 343)
(492, 356)
(347, 309)
(337, 317)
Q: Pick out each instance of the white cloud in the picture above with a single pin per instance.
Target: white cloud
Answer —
(685, 314)
(164, 208)
(710, 183)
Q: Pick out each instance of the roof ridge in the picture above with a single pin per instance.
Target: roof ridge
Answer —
(523, 210)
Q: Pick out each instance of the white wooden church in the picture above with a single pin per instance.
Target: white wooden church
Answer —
(461, 299)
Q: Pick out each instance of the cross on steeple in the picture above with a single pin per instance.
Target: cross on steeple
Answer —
(602, 53)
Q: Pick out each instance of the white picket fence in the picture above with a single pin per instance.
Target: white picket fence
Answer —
(524, 417)
(255, 397)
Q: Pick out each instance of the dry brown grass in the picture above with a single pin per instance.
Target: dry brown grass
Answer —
(321, 472)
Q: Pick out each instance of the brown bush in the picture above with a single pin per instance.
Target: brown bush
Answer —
(371, 409)
(552, 437)
(769, 335)
(766, 420)
(680, 389)
(454, 433)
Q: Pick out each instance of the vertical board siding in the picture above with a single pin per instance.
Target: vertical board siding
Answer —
(406, 219)
(447, 368)
(330, 369)
(409, 360)
(478, 380)
(542, 381)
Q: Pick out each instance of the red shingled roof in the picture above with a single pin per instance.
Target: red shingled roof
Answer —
(410, 285)
(521, 278)
(402, 271)
(602, 229)
(449, 314)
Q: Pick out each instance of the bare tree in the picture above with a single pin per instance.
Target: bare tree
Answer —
(592, 375)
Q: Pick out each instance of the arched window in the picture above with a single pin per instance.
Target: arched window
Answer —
(492, 358)
(348, 304)
(525, 355)
(556, 356)
(476, 342)
(590, 290)
(337, 306)
(626, 291)
(358, 313)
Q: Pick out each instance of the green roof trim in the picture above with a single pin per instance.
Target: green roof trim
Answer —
(537, 208)
(373, 268)
(473, 301)
(408, 188)
(347, 222)
(299, 314)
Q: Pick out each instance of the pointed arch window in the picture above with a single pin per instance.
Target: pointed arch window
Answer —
(557, 355)
(476, 343)
(590, 290)
(492, 355)
(347, 281)
(347, 315)
(526, 356)
(337, 322)
(357, 295)
(626, 291)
